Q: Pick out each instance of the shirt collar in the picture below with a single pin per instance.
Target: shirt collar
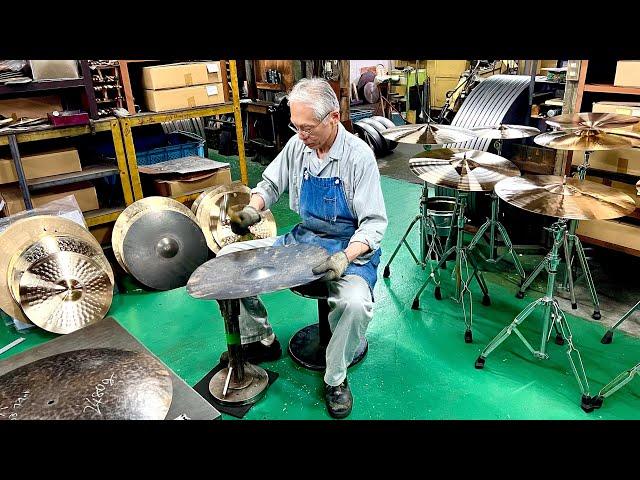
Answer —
(336, 150)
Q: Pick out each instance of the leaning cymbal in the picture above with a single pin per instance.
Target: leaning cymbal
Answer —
(46, 245)
(591, 120)
(88, 384)
(64, 292)
(574, 199)
(196, 202)
(589, 140)
(428, 134)
(462, 169)
(505, 132)
(24, 232)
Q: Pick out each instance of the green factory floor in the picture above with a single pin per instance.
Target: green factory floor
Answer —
(418, 365)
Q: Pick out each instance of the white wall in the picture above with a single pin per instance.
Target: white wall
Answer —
(356, 65)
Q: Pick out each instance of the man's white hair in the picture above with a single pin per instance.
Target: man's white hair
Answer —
(317, 93)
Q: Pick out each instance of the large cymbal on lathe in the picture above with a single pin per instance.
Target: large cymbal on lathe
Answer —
(126, 219)
(462, 169)
(45, 246)
(428, 134)
(214, 221)
(505, 132)
(588, 139)
(260, 270)
(23, 233)
(64, 292)
(561, 197)
(591, 120)
(89, 384)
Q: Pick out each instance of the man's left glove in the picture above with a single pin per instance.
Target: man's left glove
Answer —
(241, 218)
(334, 265)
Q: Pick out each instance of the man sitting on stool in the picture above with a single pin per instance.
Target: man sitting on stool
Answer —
(333, 181)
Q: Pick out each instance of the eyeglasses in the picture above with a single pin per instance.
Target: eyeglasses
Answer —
(309, 131)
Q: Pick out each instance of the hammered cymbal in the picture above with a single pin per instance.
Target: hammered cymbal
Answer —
(591, 120)
(196, 202)
(88, 384)
(126, 218)
(260, 270)
(587, 139)
(569, 198)
(462, 169)
(22, 233)
(45, 246)
(162, 248)
(505, 132)
(428, 134)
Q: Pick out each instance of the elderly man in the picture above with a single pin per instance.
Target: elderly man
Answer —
(333, 181)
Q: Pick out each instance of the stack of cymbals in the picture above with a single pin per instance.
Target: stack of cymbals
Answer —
(159, 242)
(53, 274)
(211, 208)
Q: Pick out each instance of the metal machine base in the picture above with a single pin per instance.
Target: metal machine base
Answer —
(306, 349)
(226, 390)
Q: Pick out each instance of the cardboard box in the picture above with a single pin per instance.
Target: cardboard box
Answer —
(188, 184)
(54, 162)
(34, 107)
(180, 75)
(627, 73)
(611, 231)
(187, 97)
(102, 233)
(620, 161)
(84, 192)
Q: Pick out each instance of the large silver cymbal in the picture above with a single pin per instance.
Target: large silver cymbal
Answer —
(591, 120)
(259, 270)
(588, 140)
(462, 169)
(561, 197)
(428, 134)
(89, 384)
(505, 132)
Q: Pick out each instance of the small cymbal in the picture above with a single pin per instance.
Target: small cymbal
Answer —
(24, 232)
(505, 132)
(591, 120)
(589, 140)
(65, 291)
(569, 198)
(462, 169)
(428, 134)
(88, 384)
(196, 202)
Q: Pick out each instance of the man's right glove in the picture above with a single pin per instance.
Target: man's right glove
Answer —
(241, 218)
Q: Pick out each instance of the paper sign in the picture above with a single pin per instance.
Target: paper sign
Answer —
(212, 90)
(212, 67)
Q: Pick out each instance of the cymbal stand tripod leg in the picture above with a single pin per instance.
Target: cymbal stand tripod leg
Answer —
(608, 336)
(614, 385)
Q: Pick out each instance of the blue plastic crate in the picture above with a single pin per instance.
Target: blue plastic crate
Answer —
(181, 144)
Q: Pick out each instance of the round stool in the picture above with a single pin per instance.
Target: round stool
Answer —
(309, 345)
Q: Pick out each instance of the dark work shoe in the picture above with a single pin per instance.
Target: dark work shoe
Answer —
(257, 352)
(339, 399)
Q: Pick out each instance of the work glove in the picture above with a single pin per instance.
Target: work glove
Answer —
(334, 265)
(241, 218)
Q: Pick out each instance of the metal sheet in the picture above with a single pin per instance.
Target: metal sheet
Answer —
(89, 384)
(260, 270)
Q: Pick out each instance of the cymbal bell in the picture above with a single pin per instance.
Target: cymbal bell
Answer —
(21, 234)
(64, 292)
(569, 198)
(428, 134)
(462, 169)
(588, 139)
(592, 120)
(505, 132)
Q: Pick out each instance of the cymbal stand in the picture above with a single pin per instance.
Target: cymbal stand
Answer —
(553, 317)
(608, 336)
(492, 224)
(614, 385)
(462, 255)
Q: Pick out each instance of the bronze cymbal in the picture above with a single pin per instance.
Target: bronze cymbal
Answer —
(21, 234)
(588, 139)
(561, 197)
(88, 384)
(591, 120)
(462, 169)
(505, 132)
(45, 246)
(126, 219)
(65, 291)
(428, 134)
(196, 202)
